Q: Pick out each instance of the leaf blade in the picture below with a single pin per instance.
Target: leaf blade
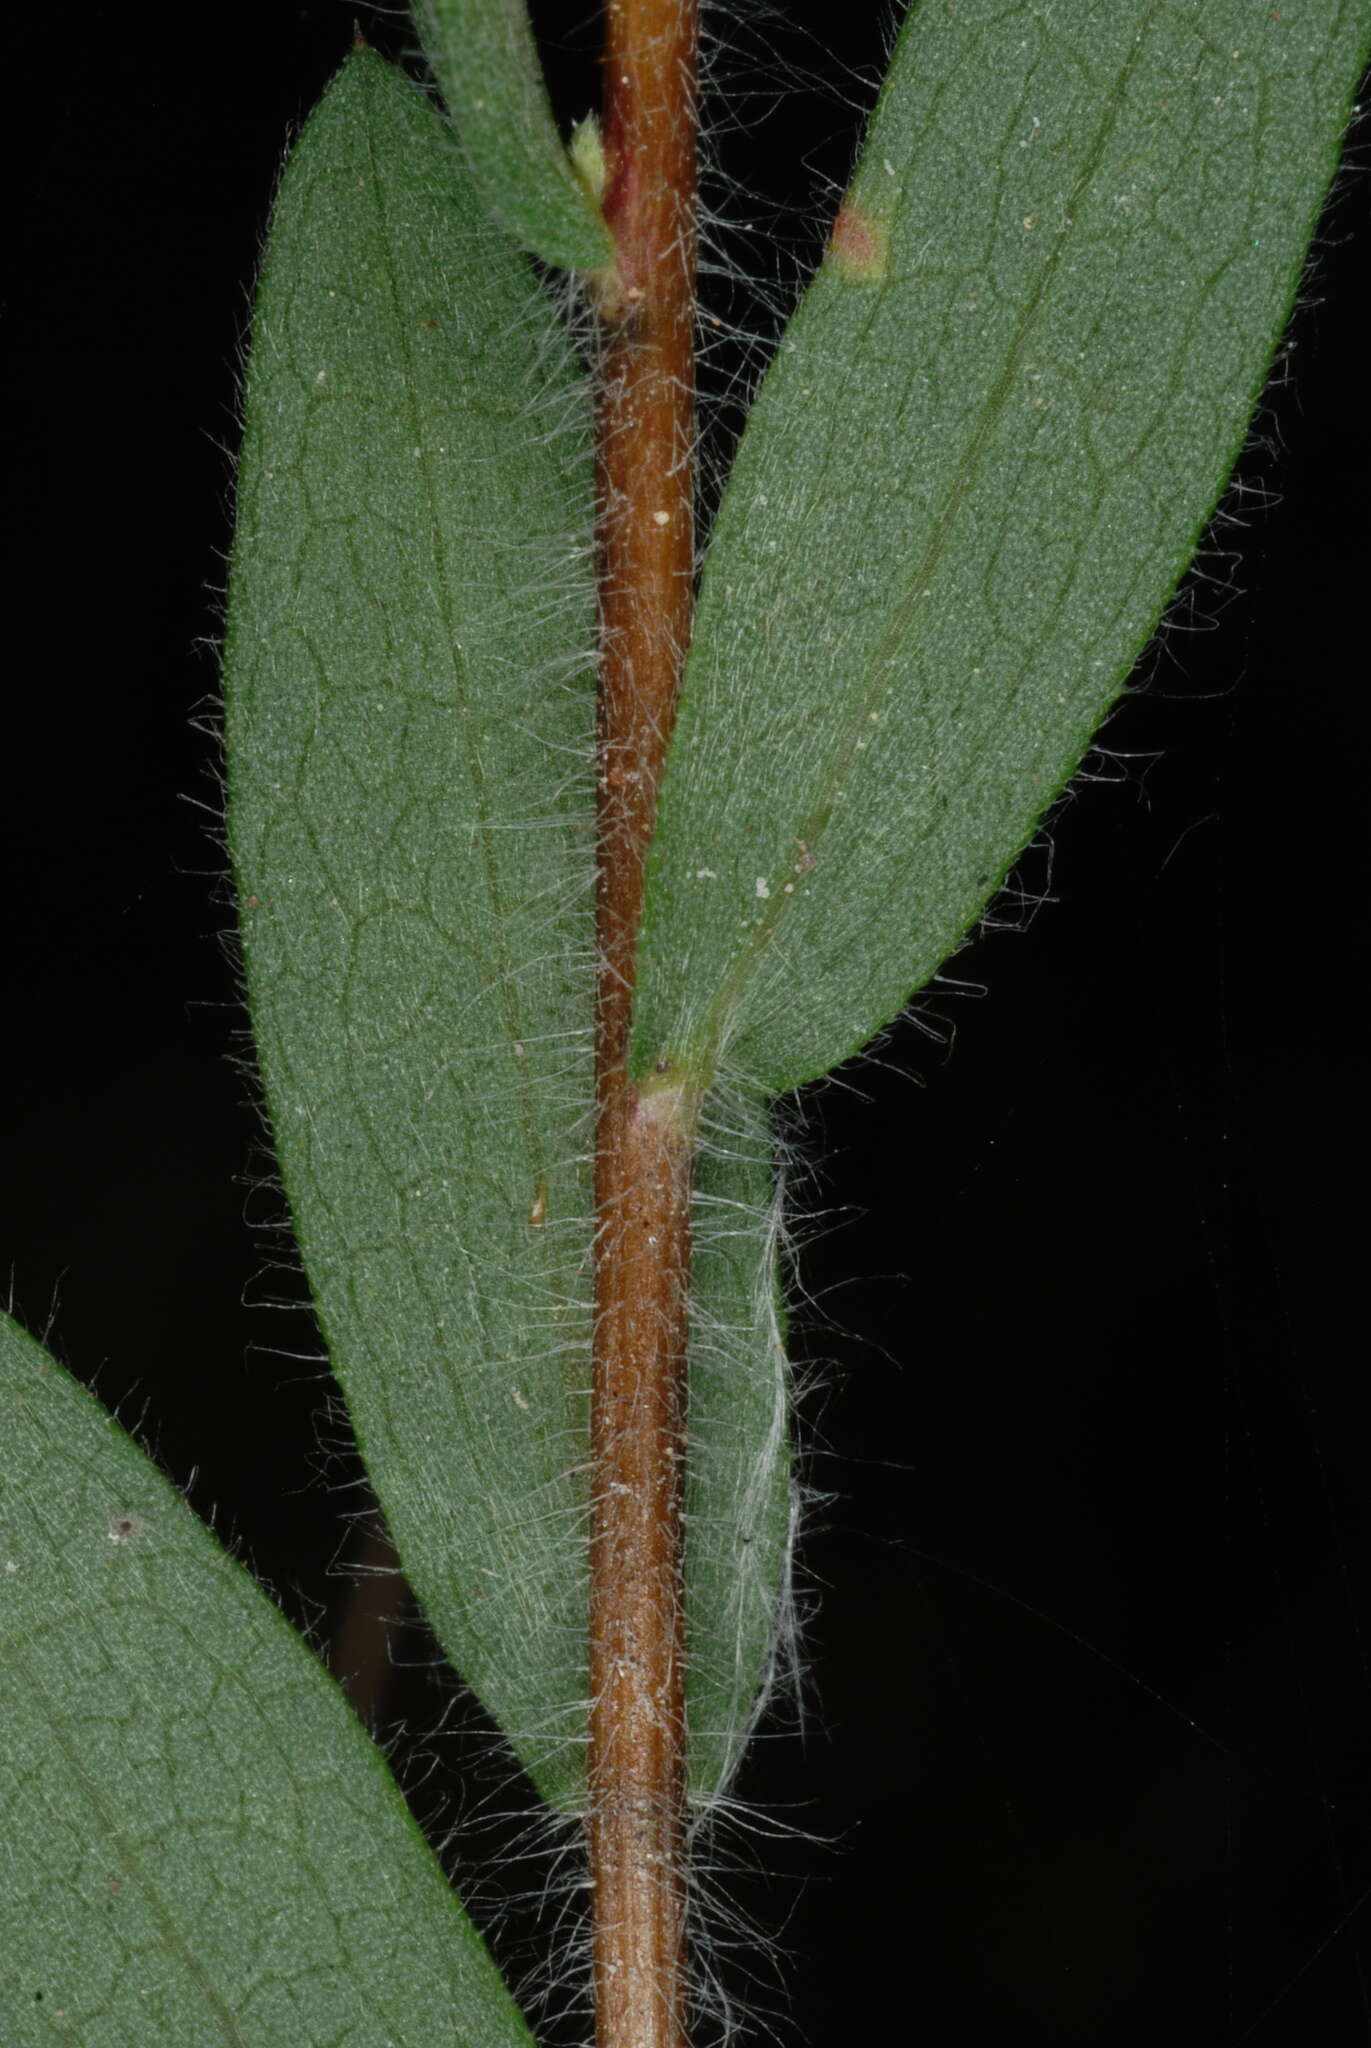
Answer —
(412, 833)
(1055, 283)
(483, 55)
(190, 1798)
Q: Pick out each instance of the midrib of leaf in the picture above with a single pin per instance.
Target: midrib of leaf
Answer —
(508, 981)
(870, 682)
(116, 1841)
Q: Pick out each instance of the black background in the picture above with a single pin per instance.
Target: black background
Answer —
(1088, 1695)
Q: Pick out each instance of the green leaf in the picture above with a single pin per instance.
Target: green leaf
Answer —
(981, 460)
(410, 725)
(483, 55)
(410, 735)
(201, 1843)
(738, 1494)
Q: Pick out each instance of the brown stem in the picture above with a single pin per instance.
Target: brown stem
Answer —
(645, 439)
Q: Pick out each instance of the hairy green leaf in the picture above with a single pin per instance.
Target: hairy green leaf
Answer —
(412, 832)
(738, 1494)
(484, 58)
(410, 731)
(201, 1844)
(981, 460)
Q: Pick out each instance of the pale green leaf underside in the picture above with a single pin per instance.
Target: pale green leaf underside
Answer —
(979, 464)
(483, 56)
(738, 1494)
(410, 736)
(201, 1843)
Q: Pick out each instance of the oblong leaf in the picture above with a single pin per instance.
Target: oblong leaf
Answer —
(409, 727)
(483, 55)
(201, 1843)
(987, 447)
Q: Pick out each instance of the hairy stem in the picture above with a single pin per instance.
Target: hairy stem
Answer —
(645, 437)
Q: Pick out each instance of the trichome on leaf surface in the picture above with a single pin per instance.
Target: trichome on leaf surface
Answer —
(571, 827)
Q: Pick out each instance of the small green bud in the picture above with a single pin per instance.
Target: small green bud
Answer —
(587, 153)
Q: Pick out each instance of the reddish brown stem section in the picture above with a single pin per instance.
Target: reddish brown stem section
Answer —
(645, 439)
